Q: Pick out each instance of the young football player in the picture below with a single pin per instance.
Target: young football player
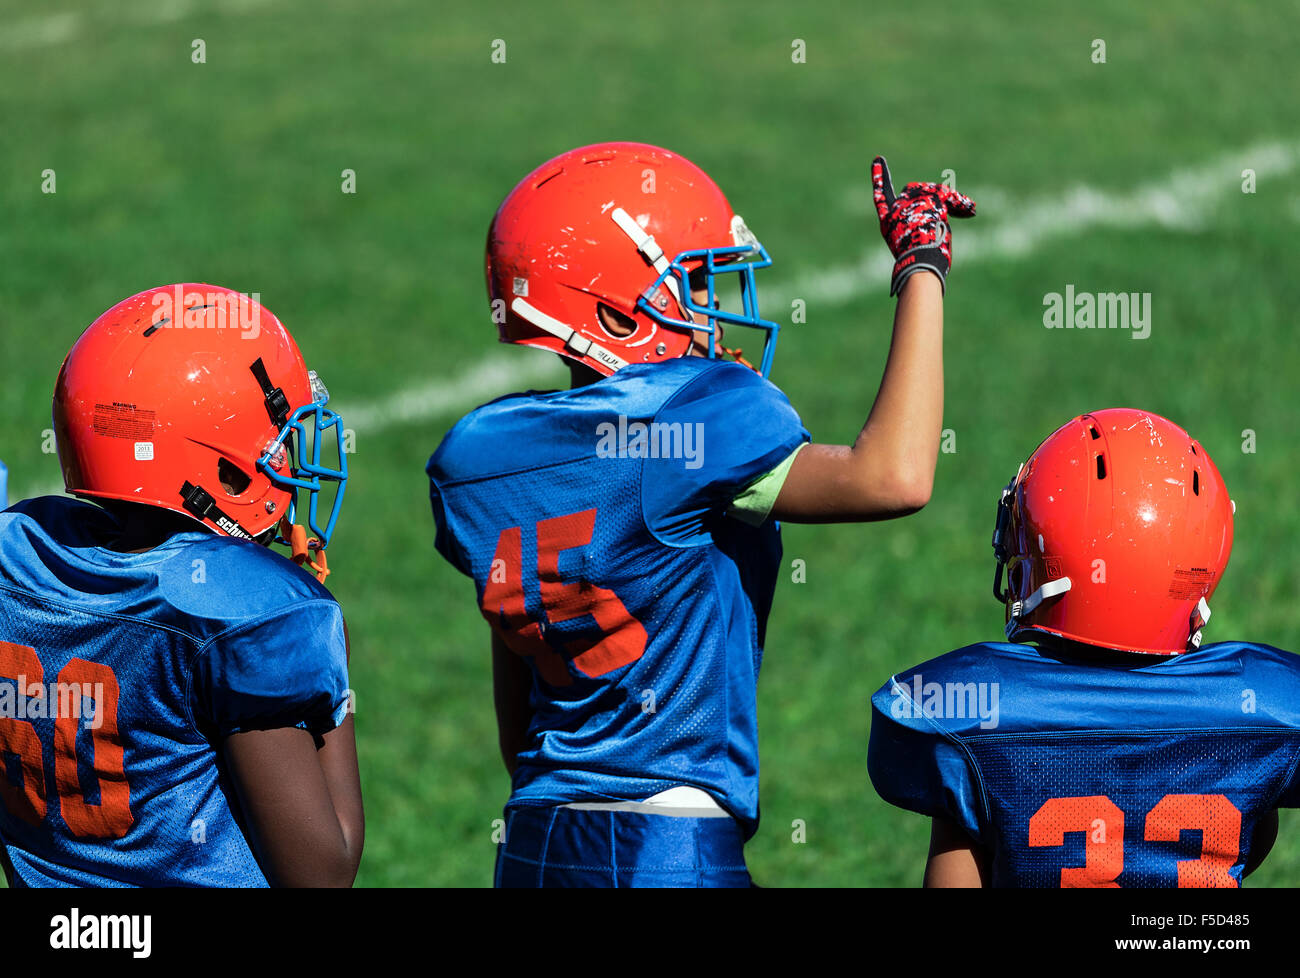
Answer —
(622, 535)
(1108, 747)
(174, 704)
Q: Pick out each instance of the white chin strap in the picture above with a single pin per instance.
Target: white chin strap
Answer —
(648, 246)
(572, 339)
(1203, 611)
(1021, 608)
(1062, 584)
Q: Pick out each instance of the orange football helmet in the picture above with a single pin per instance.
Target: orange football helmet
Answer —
(634, 227)
(194, 398)
(1114, 533)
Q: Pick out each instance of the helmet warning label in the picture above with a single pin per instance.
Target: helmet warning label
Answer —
(122, 420)
(1190, 583)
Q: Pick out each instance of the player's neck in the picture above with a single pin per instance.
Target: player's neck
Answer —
(580, 375)
(145, 527)
(1060, 648)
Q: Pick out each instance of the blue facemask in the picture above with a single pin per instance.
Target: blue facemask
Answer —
(305, 474)
(706, 266)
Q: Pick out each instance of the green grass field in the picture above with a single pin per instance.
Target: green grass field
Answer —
(229, 172)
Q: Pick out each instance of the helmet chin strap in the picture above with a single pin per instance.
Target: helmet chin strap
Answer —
(648, 246)
(1001, 533)
(1200, 618)
(1021, 608)
(200, 504)
(572, 339)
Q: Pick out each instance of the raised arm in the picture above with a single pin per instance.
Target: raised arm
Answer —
(889, 470)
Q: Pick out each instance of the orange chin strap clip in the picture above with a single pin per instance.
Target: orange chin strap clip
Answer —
(304, 550)
(736, 355)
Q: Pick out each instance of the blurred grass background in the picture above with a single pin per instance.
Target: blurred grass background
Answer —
(229, 172)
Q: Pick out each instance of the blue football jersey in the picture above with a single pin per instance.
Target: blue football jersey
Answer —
(1095, 773)
(593, 522)
(119, 676)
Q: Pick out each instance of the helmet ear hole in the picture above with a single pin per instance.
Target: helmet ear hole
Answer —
(233, 479)
(616, 324)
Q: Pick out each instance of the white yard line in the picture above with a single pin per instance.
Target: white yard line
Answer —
(39, 32)
(1182, 200)
(59, 28)
(496, 374)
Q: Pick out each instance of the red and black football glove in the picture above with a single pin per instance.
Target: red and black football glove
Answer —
(915, 223)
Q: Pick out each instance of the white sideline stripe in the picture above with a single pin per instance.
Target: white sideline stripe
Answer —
(493, 376)
(59, 28)
(36, 32)
(1181, 201)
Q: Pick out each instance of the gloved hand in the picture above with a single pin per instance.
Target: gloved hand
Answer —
(915, 223)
